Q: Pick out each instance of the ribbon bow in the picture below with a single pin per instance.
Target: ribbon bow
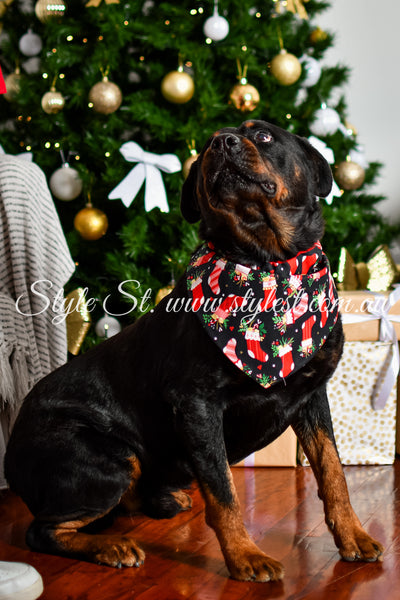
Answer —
(379, 309)
(147, 169)
(328, 155)
(377, 274)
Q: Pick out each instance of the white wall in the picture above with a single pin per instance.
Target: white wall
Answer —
(368, 42)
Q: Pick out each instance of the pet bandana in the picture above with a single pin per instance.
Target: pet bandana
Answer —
(270, 320)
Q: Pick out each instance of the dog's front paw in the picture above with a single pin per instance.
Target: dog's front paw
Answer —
(359, 546)
(254, 565)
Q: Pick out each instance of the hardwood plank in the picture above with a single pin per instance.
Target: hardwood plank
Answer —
(283, 514)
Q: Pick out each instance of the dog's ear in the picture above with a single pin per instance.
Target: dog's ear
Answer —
(189, 205)
(321, 170)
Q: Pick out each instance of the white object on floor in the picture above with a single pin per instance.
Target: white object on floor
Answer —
(19, 581)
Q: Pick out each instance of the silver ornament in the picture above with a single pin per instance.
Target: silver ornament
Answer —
(30, 44)
(65, 183)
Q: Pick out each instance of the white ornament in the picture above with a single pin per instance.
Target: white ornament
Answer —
(31, 65)
(326, 122)
(147, 169)
(216, 27)
(357, 155)
(30, 44)
(301, 96)
(65, 183)
(312, 69)
(107, 326)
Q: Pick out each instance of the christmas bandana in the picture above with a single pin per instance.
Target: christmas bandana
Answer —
(270, 320)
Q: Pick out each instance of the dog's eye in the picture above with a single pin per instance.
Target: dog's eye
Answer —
(264, 137)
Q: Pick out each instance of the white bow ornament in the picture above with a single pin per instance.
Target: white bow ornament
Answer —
(147, 169)
(327, 153)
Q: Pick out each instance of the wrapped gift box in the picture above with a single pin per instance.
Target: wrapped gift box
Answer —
(364, 436)
(280, 453)
(358, 323)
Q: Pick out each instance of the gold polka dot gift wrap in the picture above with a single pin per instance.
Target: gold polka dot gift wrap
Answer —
(364, 436)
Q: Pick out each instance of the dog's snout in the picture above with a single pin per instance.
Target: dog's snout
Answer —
(226, 141)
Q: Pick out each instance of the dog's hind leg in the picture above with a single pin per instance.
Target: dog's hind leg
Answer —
(62, 527)
(66, 539)
(315, 432)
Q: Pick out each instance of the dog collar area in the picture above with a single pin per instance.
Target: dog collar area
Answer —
(268, 321)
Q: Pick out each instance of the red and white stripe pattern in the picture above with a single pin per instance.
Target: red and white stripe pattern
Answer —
(213, 280)
(230, 352)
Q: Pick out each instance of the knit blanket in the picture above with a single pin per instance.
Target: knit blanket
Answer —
(35, 264)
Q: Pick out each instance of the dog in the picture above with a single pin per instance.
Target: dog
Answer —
(179, 395)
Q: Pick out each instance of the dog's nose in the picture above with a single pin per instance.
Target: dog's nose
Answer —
(226, 141)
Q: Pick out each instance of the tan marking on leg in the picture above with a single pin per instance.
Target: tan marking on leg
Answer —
(243, 558)
(351, 539)
(130, 501)
(112, 550)
(183, 499)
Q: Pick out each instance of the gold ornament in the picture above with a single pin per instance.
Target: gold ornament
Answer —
(294, 6)
(177, 87)
(91, 223)
(244, 96)
(78, 319)
(189, 161)
(49, 9)
(105, 96)
(97, 2)
(4, 4)
(318, 35)
(286, 67)
(377, 275)
(52, 101)
(349, 175)
(163, 292)
(13, 85)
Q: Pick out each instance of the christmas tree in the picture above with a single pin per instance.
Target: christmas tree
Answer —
(86, 78)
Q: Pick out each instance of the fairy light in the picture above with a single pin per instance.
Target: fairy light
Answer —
(70, 38)
(47, 145)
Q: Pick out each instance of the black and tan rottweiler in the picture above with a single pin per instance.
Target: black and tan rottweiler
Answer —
(240, 350)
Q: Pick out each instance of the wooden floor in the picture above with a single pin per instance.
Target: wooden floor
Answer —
(282, 513)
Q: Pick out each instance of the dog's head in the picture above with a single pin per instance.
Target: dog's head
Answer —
(254, 189)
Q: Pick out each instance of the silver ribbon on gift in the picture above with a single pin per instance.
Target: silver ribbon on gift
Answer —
(147, 169)
(379, 309)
